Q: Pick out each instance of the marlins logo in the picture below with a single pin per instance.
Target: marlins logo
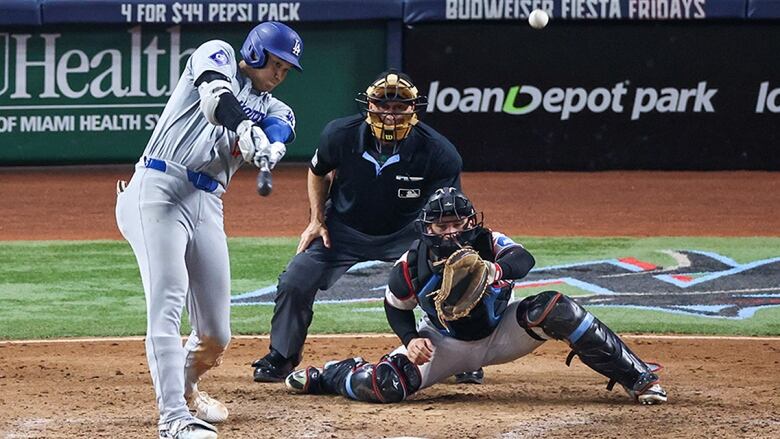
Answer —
(700, 284)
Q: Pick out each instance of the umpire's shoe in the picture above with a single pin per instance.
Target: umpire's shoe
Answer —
(473, 377)
(273, 368)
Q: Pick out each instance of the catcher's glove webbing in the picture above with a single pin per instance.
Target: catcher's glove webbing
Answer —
(464, 282)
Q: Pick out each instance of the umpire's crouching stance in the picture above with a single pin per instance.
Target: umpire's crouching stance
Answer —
(367, 182)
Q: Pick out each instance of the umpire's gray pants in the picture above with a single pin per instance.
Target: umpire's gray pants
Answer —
(318, 268)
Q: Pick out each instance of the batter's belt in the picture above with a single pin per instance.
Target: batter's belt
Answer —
(198, 179)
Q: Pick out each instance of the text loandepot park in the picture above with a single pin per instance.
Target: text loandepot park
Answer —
(525, 99)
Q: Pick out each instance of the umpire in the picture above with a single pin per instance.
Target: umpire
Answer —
(367, 182)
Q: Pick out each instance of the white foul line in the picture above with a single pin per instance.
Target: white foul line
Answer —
(372, 335)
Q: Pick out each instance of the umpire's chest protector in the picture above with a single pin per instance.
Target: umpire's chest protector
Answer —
(381, 198)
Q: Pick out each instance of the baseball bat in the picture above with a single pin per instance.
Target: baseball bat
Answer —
(264, 179)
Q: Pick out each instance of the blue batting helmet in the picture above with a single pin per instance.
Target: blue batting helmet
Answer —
(273, 37)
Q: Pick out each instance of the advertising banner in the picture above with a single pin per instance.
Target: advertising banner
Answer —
(587, 96)
(418, 11)
(79, 95)
(216, 11)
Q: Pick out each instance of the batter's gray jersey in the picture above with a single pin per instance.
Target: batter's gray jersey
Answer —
(176, 228)
(184, 136)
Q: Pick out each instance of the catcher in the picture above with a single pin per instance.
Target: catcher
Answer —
(459, 273)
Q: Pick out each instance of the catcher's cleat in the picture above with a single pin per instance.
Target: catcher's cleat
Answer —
(647, 390)
(191, 428)
(304, 380)
(654, 394)
(472, 377)
(207, 408)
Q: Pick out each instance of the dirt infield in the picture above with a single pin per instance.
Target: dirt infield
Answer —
(78, 203)
(718, 387)
(103, 389)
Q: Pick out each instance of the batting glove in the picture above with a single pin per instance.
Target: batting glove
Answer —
(273, 153)
(251, 140)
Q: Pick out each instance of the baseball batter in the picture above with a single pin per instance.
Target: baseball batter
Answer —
(467, 320)
(220, 115)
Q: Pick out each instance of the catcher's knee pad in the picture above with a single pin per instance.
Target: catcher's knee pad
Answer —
(392, 379)
(550, 314)
(553, 315)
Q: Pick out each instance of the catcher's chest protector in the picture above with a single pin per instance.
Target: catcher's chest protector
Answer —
(483, 319)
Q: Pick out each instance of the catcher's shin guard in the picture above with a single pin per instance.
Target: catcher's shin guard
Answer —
(554, 315)
(392, 379)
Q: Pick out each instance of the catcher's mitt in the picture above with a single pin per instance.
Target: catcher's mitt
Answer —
(464, 282)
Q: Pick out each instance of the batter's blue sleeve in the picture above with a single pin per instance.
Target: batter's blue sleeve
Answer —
(277, 130)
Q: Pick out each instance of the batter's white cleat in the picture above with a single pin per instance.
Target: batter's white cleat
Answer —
(191, 428)
(207, 408)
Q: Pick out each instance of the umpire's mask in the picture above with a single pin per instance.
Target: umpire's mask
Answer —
(391, 104)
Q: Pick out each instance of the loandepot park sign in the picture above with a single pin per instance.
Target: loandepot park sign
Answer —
(700, 283)
(566, 102)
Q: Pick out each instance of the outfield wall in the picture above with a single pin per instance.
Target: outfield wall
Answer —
(609, 84)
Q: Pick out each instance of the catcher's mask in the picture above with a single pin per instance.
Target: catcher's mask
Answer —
(391, 94)
(448, 222)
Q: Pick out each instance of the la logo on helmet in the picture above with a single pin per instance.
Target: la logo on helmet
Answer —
(296, 50)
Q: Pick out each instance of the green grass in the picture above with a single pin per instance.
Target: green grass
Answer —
(65, 289)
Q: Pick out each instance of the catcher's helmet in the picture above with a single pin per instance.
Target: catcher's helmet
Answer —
(272, 37)
(391, 86)
(448, 205)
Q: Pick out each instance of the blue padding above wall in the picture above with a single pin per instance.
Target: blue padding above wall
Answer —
(417, 11)
(763, 9)
(20, 12)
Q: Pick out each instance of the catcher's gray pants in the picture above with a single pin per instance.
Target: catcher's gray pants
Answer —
(176, 232)
(318, 268)
(450, 356)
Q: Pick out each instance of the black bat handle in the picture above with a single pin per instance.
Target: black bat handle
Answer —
(264, 179)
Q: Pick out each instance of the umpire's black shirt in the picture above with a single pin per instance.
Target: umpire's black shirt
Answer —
(380, 200)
